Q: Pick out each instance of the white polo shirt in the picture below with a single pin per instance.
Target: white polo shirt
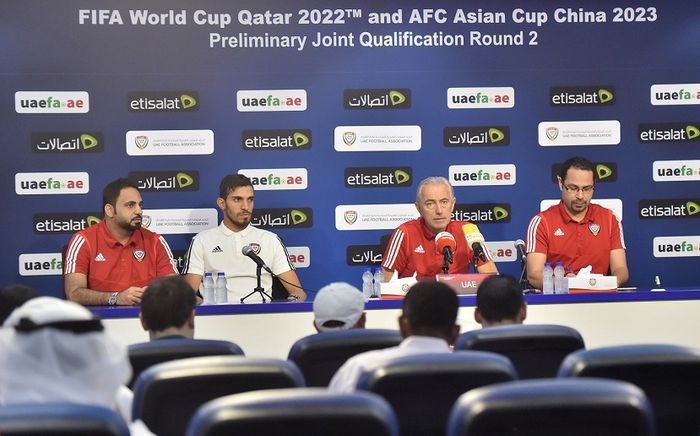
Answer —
(219, 249)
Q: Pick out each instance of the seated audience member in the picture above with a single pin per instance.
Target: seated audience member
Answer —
(427, 323)
(56, 351)
(167, 309)
(339, 306)
(12, 297)
(499, 301)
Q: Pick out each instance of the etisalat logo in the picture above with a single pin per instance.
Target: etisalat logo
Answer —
(63, 222)
(482, 213)
(368, 255)
(476, 136)
(377, 177)
(582, 95)
(669, 208)
(165, 181)
(67, 142)
(669, 132)
(175, 101)
(604, 171)
(269, 218)
(377, 98)
(279, 139)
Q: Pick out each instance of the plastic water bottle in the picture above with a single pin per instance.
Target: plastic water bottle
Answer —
(559, 279)
(221, 292)
(547, 279)
(367, 285)
(378, 280)
(208, 289)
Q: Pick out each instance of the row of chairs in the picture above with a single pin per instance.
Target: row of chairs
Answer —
(535, 350)
(520, 408)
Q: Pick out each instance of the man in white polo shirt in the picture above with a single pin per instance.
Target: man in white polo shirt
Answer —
(220, 249)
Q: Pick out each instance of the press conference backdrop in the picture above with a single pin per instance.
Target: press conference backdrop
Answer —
(337, 109)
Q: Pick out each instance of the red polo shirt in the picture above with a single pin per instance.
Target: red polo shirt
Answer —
(576, 244)
(412, 249)
(113, 267)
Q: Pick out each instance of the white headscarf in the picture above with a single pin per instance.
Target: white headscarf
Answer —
(51, 364)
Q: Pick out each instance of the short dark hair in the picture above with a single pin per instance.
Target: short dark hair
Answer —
(431, 306)
(231, 182)
(167, 302)
(12, 297)
(111, 192)
(577, 162)
(499, 298)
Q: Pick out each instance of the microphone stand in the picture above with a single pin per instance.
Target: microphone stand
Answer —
(258, 288)
(446, 259)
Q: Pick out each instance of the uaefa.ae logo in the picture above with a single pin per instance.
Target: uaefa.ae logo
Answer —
(377, 98)
(481, 98)
(675, 94)
(272, 100)
(166, 181)
(604, 171)
(475, 136)
(677, 246)
(482, 213)
(481, 175)
(272, 179)
(669, 208)
(67, 142)
(52, 102)
(276, 139)
(378, 177)
(669, 132)
(676, 170)
(154, 101)
(582, 95)
(272, 218)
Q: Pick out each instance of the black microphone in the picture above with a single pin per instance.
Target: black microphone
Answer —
(520, 246)
(250, 252)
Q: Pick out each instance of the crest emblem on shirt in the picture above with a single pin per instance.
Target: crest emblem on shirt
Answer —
(255, 246)
(594, 228)
(350, 216)
(139, 255)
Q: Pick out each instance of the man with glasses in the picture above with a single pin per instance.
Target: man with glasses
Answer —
(576, 232)
(412, 248)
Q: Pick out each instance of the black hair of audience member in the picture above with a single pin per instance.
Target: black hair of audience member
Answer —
(12, 297)
(499, 300)
(167, 302)
(430, 309)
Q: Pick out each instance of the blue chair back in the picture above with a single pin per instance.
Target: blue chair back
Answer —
(60, 419)
(669, 375)
(422, 388)
(146, 354)
(167, 395)
(536, 350)
(553, 407)
(319, 356)
(295, 412)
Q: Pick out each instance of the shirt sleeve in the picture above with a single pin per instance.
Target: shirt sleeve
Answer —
(617, 238)
(165, 264)
(394, 258)
(537, 235)
(281, 262)
(194, 259)
(77, 255)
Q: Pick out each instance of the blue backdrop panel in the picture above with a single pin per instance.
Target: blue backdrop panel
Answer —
(55, 46)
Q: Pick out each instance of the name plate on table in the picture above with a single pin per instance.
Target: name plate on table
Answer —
(463, 284)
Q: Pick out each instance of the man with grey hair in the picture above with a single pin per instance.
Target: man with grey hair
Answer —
(413, 248)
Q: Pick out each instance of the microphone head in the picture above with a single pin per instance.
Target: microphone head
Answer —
(247, 249)
(445, 239)
(519, 243)
(472, 234)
